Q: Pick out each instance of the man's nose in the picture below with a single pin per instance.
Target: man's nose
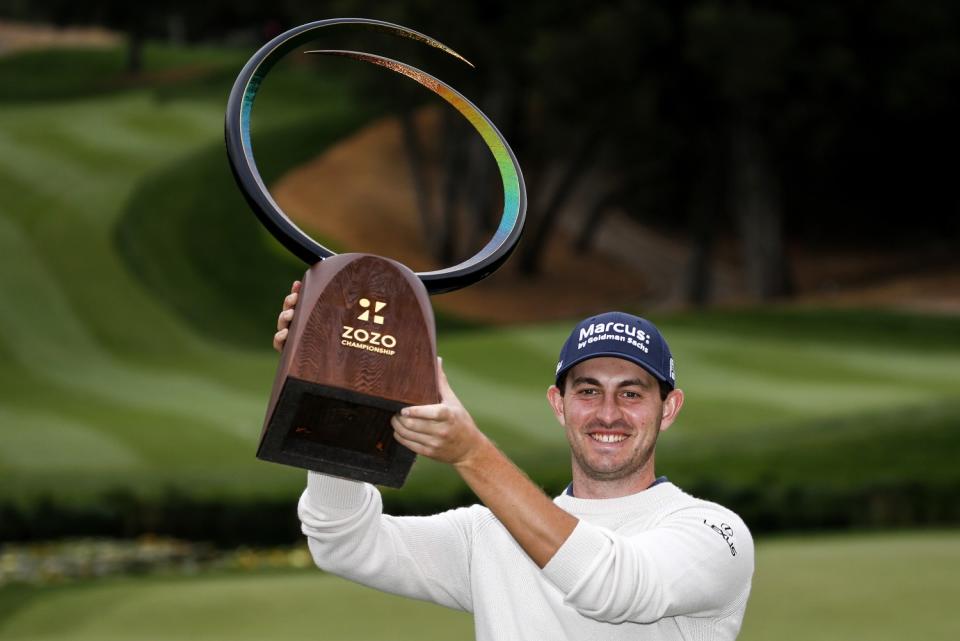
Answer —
(609, 411)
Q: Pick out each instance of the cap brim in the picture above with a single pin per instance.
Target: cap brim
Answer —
(646, 366)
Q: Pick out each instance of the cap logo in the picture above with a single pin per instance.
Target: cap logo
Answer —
(559, 365)
(612, 331)
(673, 374)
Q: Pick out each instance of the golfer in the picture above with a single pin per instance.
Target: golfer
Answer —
(621, 554)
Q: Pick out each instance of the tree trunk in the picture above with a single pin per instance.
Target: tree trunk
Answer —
(543, 222)
(135, 40)
(699, 285)
(757, 207)
(479, 193)
(704, 204)
(594, 218)
(417, 161)
(453, 163)
(135, 53)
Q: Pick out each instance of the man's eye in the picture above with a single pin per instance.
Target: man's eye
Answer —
(588, 391)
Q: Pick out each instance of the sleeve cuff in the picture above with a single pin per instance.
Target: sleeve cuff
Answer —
(335, 496)
(576, 556)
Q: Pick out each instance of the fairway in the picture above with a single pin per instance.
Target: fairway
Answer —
(869, 587)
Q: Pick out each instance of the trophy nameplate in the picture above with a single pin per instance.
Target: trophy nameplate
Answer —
(362, 343)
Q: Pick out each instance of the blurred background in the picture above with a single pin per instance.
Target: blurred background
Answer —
(773, 183)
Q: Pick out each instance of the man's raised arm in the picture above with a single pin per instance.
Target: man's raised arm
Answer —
(446, 432)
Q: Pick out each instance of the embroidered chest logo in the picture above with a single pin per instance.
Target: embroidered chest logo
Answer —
(726, 532)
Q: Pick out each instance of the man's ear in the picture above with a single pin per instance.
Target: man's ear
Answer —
(555, 398)
(671, 407)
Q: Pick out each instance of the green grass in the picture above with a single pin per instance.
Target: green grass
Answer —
(219, 271)
(139, 295)
(105, 385)
(64, 74)
(843, 588)
(846, 588)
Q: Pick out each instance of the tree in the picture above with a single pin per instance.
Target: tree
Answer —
(760, 119)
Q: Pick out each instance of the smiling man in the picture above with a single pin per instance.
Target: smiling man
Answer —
(621, 554)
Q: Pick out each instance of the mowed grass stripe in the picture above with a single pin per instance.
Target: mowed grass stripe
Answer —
(57, 346)
(29, 183)
(910, 448)
(40, 441)
(91, 156)
(172, 452)
(66, 238)
(292, 606)
(65, 291)
(786, 358)
(98, 351)
(764, 381)
(40, 157)
(845, 588)
(525, 413)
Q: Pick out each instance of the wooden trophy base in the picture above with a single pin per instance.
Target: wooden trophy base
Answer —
(361, 346)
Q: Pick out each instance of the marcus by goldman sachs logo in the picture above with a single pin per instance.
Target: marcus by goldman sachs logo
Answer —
(611, 331)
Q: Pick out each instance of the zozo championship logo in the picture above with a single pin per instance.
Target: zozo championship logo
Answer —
(372, 341)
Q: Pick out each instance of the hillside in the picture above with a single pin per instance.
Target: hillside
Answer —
(359, 194)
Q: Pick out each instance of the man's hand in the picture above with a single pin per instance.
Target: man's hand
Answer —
(444, 432)
(283, 320)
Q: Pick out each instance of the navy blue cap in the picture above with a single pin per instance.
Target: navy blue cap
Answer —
(619, 335)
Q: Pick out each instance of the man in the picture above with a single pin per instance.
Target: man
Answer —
(620, 555)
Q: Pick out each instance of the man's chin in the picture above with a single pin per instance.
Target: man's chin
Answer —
(600, 469)
(607, 473)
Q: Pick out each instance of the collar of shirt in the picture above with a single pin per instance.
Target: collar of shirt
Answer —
(658, 481)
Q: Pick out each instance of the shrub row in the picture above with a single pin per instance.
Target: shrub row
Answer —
(768, 509)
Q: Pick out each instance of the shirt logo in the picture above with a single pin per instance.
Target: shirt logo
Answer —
(726, 532)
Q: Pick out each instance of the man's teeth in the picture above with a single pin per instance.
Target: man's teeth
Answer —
(608, 438)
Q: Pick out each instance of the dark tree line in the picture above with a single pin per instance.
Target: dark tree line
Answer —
(760, 121)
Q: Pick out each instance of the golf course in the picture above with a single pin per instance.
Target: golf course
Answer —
(138, 297)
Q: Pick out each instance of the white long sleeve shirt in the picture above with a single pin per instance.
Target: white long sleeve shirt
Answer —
(657, 565)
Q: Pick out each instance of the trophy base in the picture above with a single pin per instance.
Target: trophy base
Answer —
(336, 431)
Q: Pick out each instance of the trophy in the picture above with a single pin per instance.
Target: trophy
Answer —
(362, 342)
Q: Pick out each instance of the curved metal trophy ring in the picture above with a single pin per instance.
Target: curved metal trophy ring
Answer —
(240, 153)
